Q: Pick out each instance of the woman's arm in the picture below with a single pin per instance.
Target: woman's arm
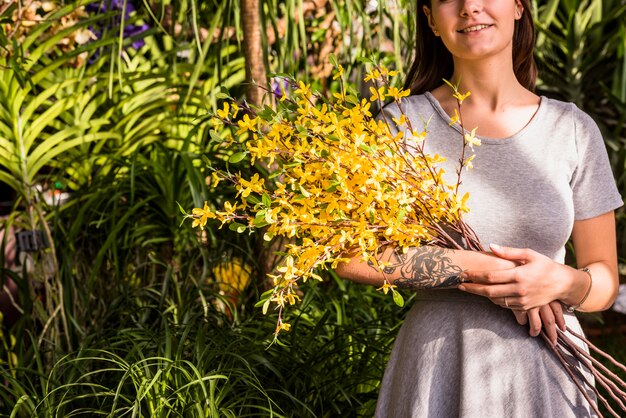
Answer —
(596, 249)
(424, 267)
(538, 280)
(437, 268)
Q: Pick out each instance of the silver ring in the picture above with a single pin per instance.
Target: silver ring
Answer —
(505, 302)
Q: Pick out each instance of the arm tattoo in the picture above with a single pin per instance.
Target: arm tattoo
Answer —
(424, 268)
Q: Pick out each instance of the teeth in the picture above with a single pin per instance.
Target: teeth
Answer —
(474, 28)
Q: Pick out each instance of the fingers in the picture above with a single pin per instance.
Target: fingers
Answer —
(557, 310)
(520, 316)
(490, 276)
(496, 293)
(534, 322)
(548, 323)
(509, 253)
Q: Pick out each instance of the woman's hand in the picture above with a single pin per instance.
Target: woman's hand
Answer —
(534, 283)
(549, 317)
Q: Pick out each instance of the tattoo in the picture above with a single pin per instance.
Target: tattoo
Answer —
(423, 268)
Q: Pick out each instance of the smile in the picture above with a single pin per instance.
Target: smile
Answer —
(474, 28)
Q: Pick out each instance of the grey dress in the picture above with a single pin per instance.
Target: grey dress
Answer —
(459, 354)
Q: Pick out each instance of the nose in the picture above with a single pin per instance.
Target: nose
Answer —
(470, 7)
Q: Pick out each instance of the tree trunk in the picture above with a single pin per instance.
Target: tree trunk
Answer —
(256, 75)
(253, 51)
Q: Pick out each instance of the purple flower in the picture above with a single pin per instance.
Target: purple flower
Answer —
(278, 85)
(113, 24)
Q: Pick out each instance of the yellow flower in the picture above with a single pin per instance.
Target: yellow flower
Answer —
(283, 326)
(455, 118)
(372, 75)
(235, 110)
(386, 287)
(338, 73)
(460, 96)
(468, 162)
(377, 94)
(255, 184)
(224, 113)
(303, 90)
(201, 216)
(215, 179)
(471, 140)
(400, 121)
(397, 94)
(246, 124)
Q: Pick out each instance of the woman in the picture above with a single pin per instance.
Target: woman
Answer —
(541, 175)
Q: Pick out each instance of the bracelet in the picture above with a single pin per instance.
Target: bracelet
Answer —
(573, 308)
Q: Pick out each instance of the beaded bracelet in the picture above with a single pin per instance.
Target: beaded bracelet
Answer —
(572, 308)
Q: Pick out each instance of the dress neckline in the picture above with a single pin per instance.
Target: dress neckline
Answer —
(534, 120)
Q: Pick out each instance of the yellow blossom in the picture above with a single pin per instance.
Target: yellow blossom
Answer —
(338, 73)
(386, 287)
(254, 185)
(201, 216)
(246, 124)
(397, 94)
(460, 96)
(471, 140)
(377, 94)
(225, 112)
(340, 181)
(455, 118)
(215, 179)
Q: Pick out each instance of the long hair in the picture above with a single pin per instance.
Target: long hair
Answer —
(433, 62)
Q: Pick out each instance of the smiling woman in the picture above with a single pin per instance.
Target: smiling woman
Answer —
(541, 176)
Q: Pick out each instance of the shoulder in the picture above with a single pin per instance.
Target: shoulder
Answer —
(571, 124)
(567, 113)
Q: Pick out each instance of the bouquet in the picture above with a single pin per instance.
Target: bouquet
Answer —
(341, 181)
(344, 181)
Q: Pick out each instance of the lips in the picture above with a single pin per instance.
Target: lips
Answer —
(474, 28)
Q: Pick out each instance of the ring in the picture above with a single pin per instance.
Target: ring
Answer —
(505, 302)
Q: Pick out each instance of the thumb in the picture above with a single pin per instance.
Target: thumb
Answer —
(509, 253)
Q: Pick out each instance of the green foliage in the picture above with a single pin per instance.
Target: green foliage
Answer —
(170, 351)
(581, 59)
(125, 313)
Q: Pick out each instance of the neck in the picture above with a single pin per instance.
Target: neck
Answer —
(492, 82)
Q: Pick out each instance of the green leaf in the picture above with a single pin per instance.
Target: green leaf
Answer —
(215, 136)
(239, 228)
(182, 210)
(237, 157)
(266, 200)
(304, 192)
(266, 306)
(397, 298)
(252, 198)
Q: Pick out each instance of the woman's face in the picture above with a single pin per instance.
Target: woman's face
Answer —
(475, 29)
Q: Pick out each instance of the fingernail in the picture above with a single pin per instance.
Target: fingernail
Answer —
(461, 287)
(494, 246)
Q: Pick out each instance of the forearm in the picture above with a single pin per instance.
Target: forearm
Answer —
(602, 286)
(595, 248)
(424, 267)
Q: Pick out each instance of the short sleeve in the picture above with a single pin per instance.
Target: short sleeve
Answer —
(593, 186)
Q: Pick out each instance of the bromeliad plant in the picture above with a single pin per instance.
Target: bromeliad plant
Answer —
(341, 181)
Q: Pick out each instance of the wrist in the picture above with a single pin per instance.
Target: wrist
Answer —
(578, 288)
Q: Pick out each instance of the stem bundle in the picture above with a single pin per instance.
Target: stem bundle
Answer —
(571, 356)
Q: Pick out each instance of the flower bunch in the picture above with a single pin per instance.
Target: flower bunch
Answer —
(343, 181)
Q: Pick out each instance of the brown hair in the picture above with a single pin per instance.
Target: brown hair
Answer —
(433, 62)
